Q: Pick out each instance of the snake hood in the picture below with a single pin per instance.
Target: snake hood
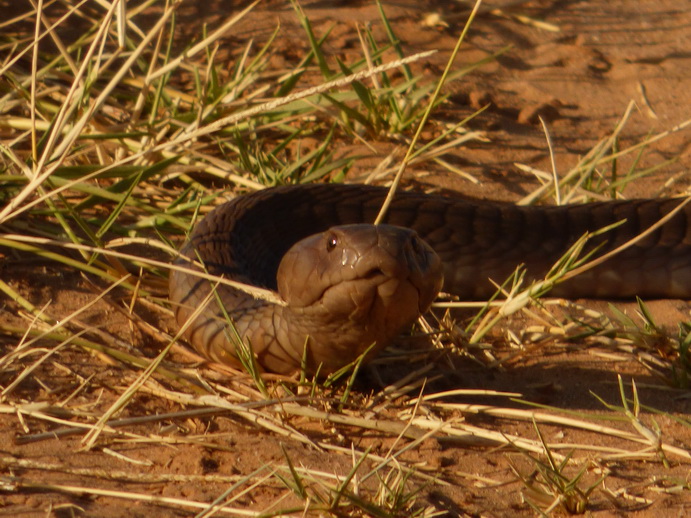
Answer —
(348, 284)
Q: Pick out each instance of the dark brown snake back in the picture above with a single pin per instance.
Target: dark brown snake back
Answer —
(246, 238)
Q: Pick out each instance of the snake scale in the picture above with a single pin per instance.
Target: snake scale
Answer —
(348, 284)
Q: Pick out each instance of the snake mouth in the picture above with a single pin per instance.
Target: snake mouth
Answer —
(373, 274)
(409, 278)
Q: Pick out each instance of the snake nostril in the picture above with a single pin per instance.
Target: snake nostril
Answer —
(417, 246)
(419, 251)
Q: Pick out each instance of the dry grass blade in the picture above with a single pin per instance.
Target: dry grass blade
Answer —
(421, 125)
(18, 484)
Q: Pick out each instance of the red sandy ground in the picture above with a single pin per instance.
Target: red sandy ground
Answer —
(580, 79)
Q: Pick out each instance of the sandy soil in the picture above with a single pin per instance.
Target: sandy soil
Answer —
(580, 78)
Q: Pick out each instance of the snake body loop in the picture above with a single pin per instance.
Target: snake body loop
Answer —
(348, 285)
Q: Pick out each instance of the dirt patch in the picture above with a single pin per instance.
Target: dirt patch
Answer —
(576, 65)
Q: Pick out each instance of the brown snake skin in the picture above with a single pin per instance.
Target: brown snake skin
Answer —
(350, 287)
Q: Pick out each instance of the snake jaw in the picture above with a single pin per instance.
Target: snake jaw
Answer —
(356, 285)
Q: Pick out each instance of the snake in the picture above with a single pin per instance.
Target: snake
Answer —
(347, 288)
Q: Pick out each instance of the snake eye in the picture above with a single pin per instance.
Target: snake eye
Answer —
(331, 242)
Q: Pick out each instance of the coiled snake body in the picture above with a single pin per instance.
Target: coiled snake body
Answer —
(348, 285)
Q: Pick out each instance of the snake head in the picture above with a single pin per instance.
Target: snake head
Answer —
(355, 285)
